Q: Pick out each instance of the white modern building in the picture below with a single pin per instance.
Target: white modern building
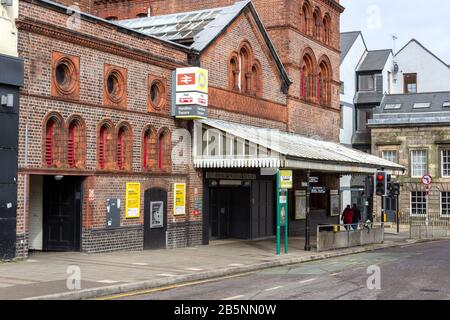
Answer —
(418, 70)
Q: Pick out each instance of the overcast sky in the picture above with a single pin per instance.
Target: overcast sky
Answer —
(427, 21)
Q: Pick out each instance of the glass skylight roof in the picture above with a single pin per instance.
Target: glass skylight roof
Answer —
(393, 106)
(174, 27)
(422, 105)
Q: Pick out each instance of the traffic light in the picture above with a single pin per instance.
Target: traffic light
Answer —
(380, 183)
(390, 189)
(396, 189)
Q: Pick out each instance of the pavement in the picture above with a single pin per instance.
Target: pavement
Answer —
(50, 275)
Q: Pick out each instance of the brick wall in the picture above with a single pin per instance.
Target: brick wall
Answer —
(148, 57)
(107, 240)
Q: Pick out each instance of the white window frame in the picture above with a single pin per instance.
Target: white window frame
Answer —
(413, 175)
(383, 152)
(442, 163)
(411, 206)
(446, 216)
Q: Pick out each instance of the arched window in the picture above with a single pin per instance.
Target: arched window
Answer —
(324, 82)
(234, 74)
(120, 147)
(327, 29)
(102, 147)
(316, 29)
(49, 141)
(76, 144)
(306, 18)
(256, 79)
(307, 77)
(244, 63)
(164, 150)
(53, 144)
(106, 146)
(149, 149)
(124, 148)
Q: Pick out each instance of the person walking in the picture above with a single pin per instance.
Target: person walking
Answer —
(356, 216)
(347, 217)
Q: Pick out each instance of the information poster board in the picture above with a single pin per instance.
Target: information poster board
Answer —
(179, 194)
(286, 179)
(334, 203)
(133, 200)
(300, 204)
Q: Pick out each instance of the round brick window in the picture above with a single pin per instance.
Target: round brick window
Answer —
(65, 76)
(157, 94)
(115, 86)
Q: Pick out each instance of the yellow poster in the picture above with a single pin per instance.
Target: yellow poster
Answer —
(179, 194)
(285, 179)
(133, 200)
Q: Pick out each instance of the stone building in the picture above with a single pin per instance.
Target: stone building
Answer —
(414, 131)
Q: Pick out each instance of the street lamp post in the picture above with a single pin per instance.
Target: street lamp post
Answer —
(307, 222)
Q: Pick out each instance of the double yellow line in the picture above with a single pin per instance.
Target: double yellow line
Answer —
(175, 286)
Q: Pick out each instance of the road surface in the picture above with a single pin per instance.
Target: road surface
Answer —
(420, 271)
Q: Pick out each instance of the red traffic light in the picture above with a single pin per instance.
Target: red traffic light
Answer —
(380, 177)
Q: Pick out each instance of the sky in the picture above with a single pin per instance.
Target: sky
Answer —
(426, 21)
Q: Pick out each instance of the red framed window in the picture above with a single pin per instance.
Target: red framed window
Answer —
(71, 147)
(145, 150)
(120, 147)
(49, 143)
(160, 151)
(101, 147)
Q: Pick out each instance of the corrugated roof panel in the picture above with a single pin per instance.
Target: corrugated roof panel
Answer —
(301, 147)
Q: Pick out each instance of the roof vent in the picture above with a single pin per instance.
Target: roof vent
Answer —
(446, 104)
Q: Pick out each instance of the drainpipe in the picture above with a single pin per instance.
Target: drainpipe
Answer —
(25, 180)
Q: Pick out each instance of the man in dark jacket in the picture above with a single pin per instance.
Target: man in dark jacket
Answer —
(356, 217)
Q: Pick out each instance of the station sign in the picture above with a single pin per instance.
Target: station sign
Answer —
(318, 190)
(190, 94)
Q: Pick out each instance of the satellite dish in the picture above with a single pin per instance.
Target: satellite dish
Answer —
(396, 67)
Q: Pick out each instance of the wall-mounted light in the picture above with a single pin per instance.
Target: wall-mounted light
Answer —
(59, 178)
(7, 100)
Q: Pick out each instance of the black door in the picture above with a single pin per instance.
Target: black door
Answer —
(155, 218)
(263, 209)
(240, 213)
(220, 200)
(62, 214)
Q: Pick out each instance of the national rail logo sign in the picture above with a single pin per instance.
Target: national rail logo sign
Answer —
(190, 97)
(192, 80)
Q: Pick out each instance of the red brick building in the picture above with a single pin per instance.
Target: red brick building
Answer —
(305, 34)
(95, 115)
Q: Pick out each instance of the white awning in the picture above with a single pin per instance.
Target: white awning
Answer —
(223, 144)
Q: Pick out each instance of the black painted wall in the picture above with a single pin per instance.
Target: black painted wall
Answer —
(11, 78)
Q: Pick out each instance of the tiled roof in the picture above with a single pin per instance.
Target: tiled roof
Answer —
(374, 60)
(347, 41)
